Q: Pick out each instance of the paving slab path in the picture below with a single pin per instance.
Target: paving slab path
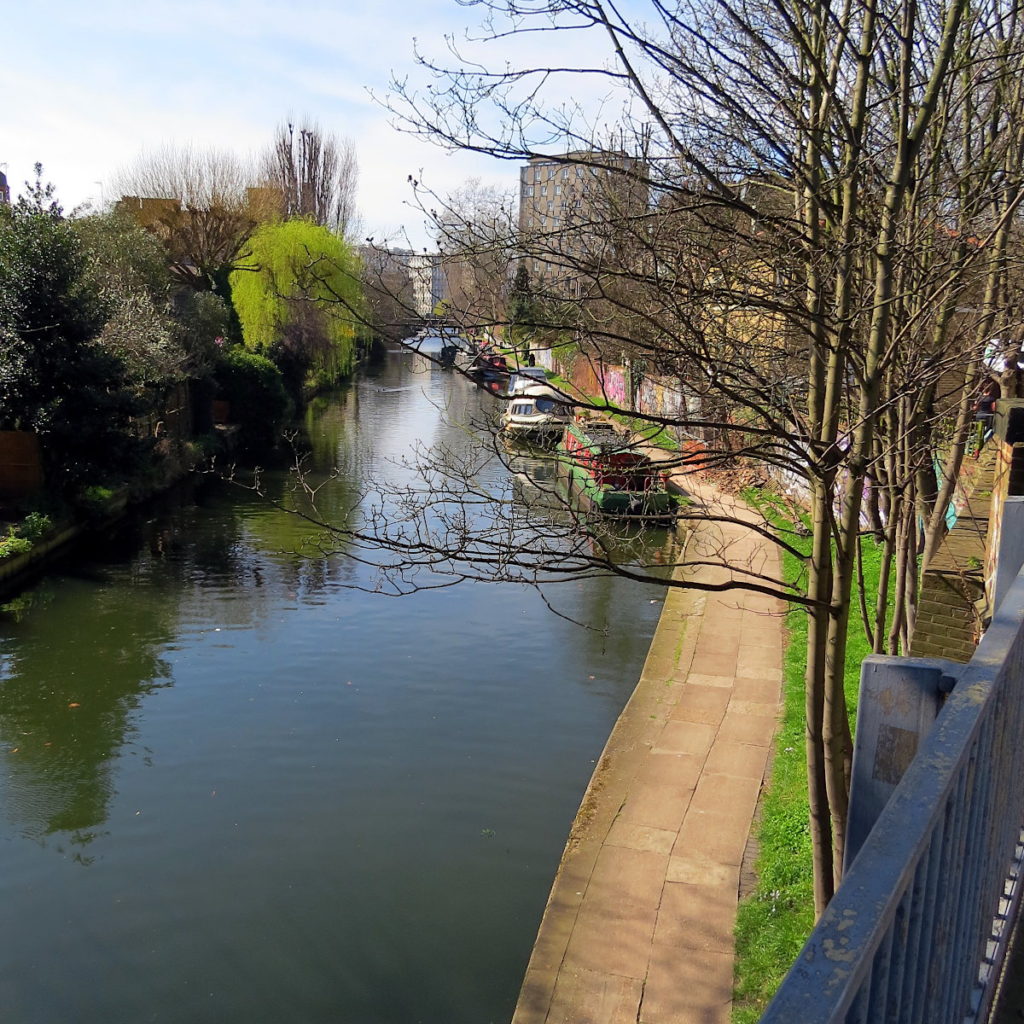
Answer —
(639, 923)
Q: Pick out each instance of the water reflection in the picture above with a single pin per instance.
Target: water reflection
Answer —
(67, 708)
(227, 553)
(298, 800)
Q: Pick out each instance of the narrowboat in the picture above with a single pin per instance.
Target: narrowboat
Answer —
(612, 474)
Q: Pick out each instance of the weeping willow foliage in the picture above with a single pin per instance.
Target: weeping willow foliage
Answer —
(299, 299)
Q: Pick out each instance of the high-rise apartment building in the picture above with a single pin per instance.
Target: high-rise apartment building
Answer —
(570, 202)
(438, 281)
(421, 267)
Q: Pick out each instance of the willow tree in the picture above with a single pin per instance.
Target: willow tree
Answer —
(299, 300)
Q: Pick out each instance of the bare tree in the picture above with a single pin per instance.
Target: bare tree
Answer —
(475, 237)
(315, 172)
(200, 203)
(388, 286)
(821, 250)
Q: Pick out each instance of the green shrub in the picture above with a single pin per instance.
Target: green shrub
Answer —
(55, 379)
(12, 545)
(254, 388)
(93, 501)
(35, 526)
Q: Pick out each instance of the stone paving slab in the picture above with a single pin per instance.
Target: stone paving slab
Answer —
(639, 924)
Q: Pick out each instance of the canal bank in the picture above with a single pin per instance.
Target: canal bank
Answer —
(102, 511)
(639, 922)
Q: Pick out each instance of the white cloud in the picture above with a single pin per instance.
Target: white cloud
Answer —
(112, 78)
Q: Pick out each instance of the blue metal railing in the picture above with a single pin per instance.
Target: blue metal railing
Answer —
(917, 930)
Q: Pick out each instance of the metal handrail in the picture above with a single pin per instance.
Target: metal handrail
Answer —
(917, 930)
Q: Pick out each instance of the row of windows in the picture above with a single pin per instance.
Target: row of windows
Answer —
(563, 209)
(528, 192)
(552, 170)
(540, 222)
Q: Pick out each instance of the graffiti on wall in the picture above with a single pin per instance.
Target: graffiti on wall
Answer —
(613, 385)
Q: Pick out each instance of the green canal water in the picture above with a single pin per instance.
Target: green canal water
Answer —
(237, 788)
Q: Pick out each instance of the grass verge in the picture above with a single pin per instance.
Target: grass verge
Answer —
(652, 433)
(775, 919)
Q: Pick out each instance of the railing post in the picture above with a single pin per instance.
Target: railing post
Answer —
(899, 701)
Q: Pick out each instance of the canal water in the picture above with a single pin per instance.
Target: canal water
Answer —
(239, 786)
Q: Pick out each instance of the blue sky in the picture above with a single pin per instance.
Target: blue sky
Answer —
(85, 87)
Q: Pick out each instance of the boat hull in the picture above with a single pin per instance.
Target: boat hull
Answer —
(548, 431)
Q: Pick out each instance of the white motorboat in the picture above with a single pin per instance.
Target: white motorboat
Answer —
(538, 412)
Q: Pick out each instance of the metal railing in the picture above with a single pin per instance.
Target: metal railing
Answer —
(918, 928)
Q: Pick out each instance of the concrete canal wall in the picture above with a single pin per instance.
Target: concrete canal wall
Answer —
(21, 569)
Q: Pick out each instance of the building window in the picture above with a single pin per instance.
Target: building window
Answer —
(565, 174)
(527, 191)
(551, 206)
(558, 190)
(543, 190)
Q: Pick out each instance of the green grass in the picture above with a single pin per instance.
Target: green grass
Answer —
(775, 920)
(653, 433)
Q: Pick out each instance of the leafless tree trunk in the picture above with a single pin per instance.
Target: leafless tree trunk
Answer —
(831, 189)
(316, 174)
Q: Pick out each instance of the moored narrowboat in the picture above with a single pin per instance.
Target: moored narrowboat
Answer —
(611, 473)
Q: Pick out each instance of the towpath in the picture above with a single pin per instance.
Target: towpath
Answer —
(639, 923)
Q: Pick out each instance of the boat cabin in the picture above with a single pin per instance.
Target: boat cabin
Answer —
(537, 410)
(612, 459)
